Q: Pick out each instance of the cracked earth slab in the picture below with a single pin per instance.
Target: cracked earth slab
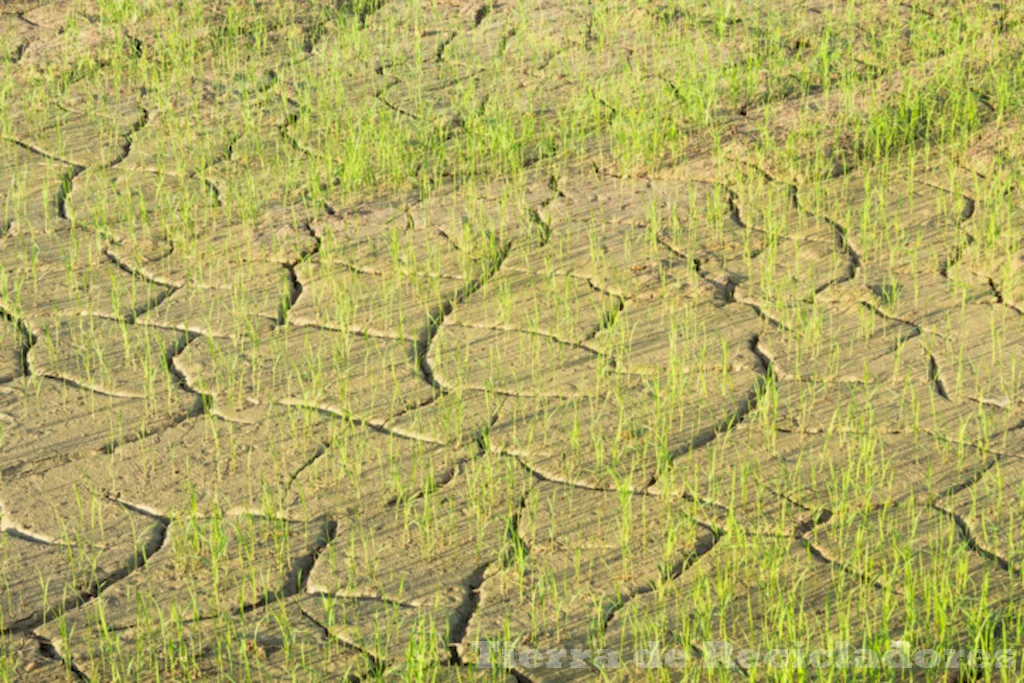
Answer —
(108, 356)
(980, 361)
(83, 551)
(560, 307)
(602, 229)
(844, 343)
(363, 472)
(31, 184)
(192, 128)
(365, 377)
(383, 239)
(893, 221)
(267, 643)
(513, 362)
(386, 305)
(155, 200)
(594, 551)
(251, 561)
(729, 596)
(681, 333)
(203, 464)
(15, 34)
(808, 473)
(991, 509)
(46, 421)
(623, 436)
(84, 129)
(455, 418)
(890, 545)
(419, 573)
(925, 299)
(61, 271)
(260, 177)
(219, 252)
(909, 408)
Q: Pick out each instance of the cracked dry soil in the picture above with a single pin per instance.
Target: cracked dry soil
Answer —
(338, 339)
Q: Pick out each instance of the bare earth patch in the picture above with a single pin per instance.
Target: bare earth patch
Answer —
(353, 340)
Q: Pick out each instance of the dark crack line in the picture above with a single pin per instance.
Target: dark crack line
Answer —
(64, 192)
(48, 651)
(694, 263)
(295, 287)
(212, 188)
(28, 340)
(607, 320)
(204, 400)
(515, 547)
(18, 52)
(296, 580)
(437, 316)
(395, 108)
(39, 152)
(542, 227)
(998, 294)
(819, 516)
(972, 543)
(748, 406)
(377, 665)
(439, 52)
(934, 378)
(970, 482)
(294, 292)
(843, 567)
(666, 574)
(85, 595)
(129, 137)
(462, 615)
(155, 301)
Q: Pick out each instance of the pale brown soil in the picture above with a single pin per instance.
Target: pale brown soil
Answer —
(345, 429)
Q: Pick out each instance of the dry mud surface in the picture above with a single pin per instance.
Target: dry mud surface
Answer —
(275, 405)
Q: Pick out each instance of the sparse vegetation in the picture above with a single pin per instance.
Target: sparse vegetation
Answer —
(340, 339)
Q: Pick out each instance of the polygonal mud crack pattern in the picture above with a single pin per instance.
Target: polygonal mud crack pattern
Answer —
(108, 356)
(728, 597)
(273, 642)
(71, 559)
(254, 561)
(336, 341)
(47, 421)
(474, 521)
(368, 378)
(595, 557)
(203, 464)
(64, 271)
(564, 308)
